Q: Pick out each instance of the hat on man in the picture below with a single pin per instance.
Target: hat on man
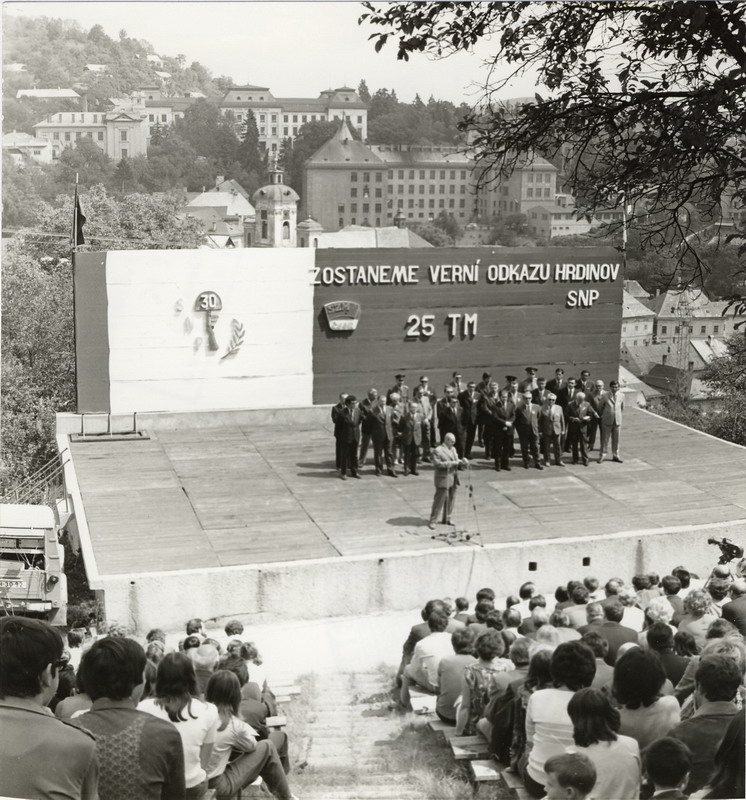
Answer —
(486, 375)
(423, 378)
(510, 378)
(400, 376)
(531, 369)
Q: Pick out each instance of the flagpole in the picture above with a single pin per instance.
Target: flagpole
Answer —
(73, 247)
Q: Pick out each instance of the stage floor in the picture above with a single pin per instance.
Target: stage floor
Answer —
(211, 497)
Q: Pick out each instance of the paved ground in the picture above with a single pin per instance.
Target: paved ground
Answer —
(245, 495)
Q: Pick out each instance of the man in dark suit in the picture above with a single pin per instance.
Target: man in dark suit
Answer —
(558, 382)
(451, 419)
(375, 418)
(552, 429)
(488, 418)
(735, 611)
(527, 425)
(660, 639)
(504, 419)
(336, 420)
(539, 394)
(350, 418)
(365, 425)
(671, 586)
(410, 434)
(579, 414)
(469, 402)
(594, 616)
(483, 387)
(615, 633)
(585, 384)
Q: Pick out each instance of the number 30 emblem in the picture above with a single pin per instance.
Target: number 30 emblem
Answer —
(210, 303)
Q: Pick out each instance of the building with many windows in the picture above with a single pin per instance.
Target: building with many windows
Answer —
(22, 147)
(119, 133)
(280, 118)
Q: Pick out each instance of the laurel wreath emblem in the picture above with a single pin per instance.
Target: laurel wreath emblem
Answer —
(237, 338)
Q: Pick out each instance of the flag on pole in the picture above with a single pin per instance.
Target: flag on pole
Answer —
(78, 221)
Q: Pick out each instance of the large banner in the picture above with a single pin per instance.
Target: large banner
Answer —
(436, 311)
(184, 330)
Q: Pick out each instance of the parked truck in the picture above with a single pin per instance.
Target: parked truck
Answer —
(32, 559)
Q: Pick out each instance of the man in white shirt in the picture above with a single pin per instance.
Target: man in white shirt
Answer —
(422, 670)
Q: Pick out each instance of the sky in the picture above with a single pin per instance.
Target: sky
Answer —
(297, 49)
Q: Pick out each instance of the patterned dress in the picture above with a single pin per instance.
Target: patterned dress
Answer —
(479, 678)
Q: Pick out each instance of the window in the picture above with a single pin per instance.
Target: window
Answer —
(163, 118)
(304, 118)
(441, 203)
(452, 174)
(37, 152)
(125, 152)
(390, 189)
(261, 130)
(400, 174)
(452, 189)
(379, 177)
(122, 136)
(366, 208)
(284, 130)
(703, 329)
(285, 118)
(463, 174)
(547, 191)
(295, 130)
(411, 174)
(431, 203)
(716, 329)
(353, 176)
(238, 97)
(353, 220)
(262, 118)
(100, 136)
(274, 130)
(274, 117)
(400, 188)
(67, 136)
(690, 366)
(295, 117)
(391, 174)
(442, 174)
(366, 177)
(411, 188)
(432, 188)
(676, 329)
(359, 120)
(151, 118)
(78, 134)
(56, 135)
(530, 191)
(410, 204)
(353, 208)
(95, 118)
(379, 193)
(462, 203)
(530, 177)
(432, 174)
(341, 223)
(353, 191)
(664, 358)
(463, 189)
(451, 203)
(420, 203)
(664, 329)
(341, 208)
(441, 189)
(422, 188)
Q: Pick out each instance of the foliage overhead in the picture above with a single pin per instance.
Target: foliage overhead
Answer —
(644, 102)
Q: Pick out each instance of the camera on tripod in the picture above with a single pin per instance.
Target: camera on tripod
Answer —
(728, 550)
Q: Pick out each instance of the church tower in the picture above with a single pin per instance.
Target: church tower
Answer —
(276, 211)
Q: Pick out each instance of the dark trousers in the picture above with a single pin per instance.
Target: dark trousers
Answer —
(410, 452)
(425, 440)
(348, 458)
(388, 452)
(551, 441)
(593, 427)
(364, 444)
(471, 432)
(501, 446)
(529, 445)
(488, 435)
(247, 767)
(577, 443)
(337, 452)
(378, 451)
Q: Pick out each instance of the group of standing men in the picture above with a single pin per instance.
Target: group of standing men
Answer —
(550, 417)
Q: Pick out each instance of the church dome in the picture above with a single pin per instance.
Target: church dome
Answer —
(275, 192)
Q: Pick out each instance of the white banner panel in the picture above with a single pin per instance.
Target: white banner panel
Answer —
(194, 330)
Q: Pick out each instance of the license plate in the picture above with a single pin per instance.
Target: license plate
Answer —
(11, 583)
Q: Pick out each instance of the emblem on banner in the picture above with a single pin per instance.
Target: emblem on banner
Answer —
(342, 315)
(210, 304)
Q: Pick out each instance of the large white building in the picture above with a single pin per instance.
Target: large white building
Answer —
(280, 118)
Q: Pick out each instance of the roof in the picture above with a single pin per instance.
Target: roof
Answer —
(235, 204)
(20, 139)
(422, 156)
(669, 379)
(163, 74)
(277, 192)
(249, 86)
(674, 301)
(633, 308)
(640, 359)
(25, 516)
(635, 289)
(530, 164)
(709, 349)
(229, 185)
(361, 236)
(96, 67)
(628, 380)
(55, 94)
(343, 149)
(175, 103)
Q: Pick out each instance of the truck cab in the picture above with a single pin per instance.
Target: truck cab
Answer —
(32, 581)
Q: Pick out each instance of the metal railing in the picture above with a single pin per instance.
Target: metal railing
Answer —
(40, 486)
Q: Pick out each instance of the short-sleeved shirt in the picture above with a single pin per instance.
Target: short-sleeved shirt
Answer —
(198, 729)
(42, 756)
(237, 735)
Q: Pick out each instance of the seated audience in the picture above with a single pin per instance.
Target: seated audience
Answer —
(727, 779)
(462, 609)
(667, 763)
(539, 616)
(576, 612)
(611, 591)
(204, 660)
(139, 755)
(634, 616)
(195, 627)
(596, 734)
(477, 681)
(569, 776)
(75, 639)
(237, 759)
(420, 631)
(684, 644)
(735, 610)
(659, 638)
(671, 586)
(548, 725)
(697, 615)
(645, 713)
(717, 680)
(659, 610)
(525, 593)
(40, 756)
(721, 639)
(614, 632)
(422, 670)
(233, 629)
(594, 616)
(481, 610)
(604, 673)
(561, 622)
(196, 721)
(512, 620)
(451, 673)
(527, 626)
(592, 584)
(539, 677)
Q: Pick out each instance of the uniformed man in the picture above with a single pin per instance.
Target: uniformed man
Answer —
(529, 382)
(483, 387)
(399, 388)
(469, 401)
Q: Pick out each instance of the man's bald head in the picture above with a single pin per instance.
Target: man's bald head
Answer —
(449, 439)
(738, 588)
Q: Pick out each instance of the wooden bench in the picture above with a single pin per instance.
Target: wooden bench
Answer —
(276, 722)
(422, 702)
(467, 748)
(446, 730)
(485, 771)
(517, 788)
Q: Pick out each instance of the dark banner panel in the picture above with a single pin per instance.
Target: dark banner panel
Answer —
(91, 333)
(417, 311)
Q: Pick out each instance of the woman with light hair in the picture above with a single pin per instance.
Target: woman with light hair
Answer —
(659, 610)
(698, 615)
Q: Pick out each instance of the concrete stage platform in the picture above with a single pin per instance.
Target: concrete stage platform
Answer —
(242, 513)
